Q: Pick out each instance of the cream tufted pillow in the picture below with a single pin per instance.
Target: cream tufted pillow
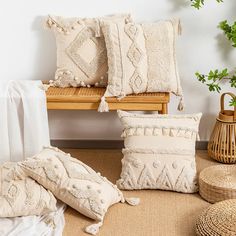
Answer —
(141, 58)
(160, 38)
(74, 183)
(22, 196)
(81, 50)
(159, 152)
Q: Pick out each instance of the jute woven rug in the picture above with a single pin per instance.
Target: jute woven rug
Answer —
(161, 213)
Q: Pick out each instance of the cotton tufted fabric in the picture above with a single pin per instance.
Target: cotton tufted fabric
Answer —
(141, 58)
(81, 50)
(159, 152)
(74, 183)
(21, 195)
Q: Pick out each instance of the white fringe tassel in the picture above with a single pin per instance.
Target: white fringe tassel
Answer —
(93, 229)
(103, 106)
(179, 28)
(198, 137)
(133, 201)
(45, 87)
(98, 29)
(181, 104)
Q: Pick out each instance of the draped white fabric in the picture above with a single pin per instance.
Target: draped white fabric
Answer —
(23, 119)
(51, 224)
(23, 133)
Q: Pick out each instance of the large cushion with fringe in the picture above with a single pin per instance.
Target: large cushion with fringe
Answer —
(159, 152)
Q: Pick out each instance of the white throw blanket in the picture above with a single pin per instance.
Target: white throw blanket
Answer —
(23, 133)
(51, 224)
(23, 119)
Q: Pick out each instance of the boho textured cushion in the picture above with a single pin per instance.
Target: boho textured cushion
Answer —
(81, 50)
(160, 38)
(74, 183)
(22, 196)
(159, 152)
(127, 58)
(141, 58)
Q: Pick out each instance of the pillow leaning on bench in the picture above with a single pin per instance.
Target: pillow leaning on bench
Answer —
(81, 50)
(141, 58)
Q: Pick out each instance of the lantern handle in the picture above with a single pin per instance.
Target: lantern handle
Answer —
(222, 103)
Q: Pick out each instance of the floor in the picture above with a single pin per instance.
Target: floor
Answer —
(160, 213)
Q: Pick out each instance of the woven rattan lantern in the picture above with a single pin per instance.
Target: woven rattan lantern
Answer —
(222, 144)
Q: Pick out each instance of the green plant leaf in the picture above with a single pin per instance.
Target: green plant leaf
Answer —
(232, 102)
(214, 77)
(199, 3)
(229, 31)
(233, 81)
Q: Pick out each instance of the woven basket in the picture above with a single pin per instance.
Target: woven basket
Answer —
(218, 183)
(222, 143)
(219, 220)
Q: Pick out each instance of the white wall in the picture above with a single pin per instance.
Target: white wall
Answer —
(27, 51)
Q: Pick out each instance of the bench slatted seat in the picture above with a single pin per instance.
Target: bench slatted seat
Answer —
(89, 99)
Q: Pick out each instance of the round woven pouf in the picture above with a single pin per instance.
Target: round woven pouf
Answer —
(218, 183)
(218, 220)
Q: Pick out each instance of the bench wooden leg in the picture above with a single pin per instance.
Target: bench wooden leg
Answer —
(164, 109)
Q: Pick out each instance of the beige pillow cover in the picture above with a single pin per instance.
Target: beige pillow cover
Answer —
(141, 58)
(127, 58)
(160, 38)
(81, 50)
(74, 183)
(159, 152)
(22, 196)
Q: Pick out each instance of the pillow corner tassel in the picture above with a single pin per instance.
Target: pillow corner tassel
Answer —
(94, 228)
(181, 104)
(44, 87)
(132, 201)
(180, 29)
(98, 29)
(48, 22)
(103, 106)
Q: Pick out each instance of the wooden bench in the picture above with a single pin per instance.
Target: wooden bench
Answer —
(89, 99)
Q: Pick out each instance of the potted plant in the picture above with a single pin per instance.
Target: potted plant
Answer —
(215, 77)
(222, 143)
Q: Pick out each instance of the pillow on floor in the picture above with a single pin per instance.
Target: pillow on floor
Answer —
(22, 196)
(141, 58)
(81, 50)
(159, 152)
(74, 183)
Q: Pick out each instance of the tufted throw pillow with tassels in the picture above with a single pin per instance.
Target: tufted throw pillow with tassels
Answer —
(141, 58)
(81, 50)
(159, 152)
(75, 183)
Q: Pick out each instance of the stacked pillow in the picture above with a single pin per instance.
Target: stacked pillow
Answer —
(57, 174)
(74, 183)
(22, 196)
(81, 50)
(114, 51)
